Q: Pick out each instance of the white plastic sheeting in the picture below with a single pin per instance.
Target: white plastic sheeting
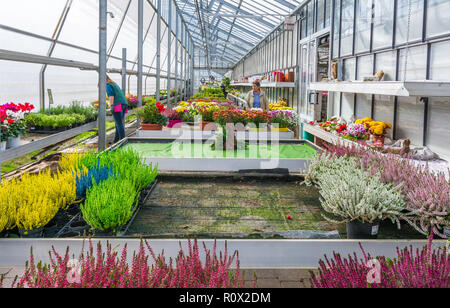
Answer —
(19, 82)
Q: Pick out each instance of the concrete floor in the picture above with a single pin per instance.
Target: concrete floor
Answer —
(253, 253)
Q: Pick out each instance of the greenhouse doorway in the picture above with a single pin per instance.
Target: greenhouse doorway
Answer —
(314, 59)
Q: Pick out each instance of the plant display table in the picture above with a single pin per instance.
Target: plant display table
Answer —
(198, 155)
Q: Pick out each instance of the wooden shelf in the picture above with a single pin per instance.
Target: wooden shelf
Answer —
(390, 88)
(326, 136)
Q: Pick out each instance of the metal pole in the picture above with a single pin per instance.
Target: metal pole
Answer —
(176, 55)
(140, 53)
(158, 52)
(124, 70)
(55, 37)
(169, 53)
(188, 67)
(183, 65)
(102, 76)
(182, 62)
(192, 69)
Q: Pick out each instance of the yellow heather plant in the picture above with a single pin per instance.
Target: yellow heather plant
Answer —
(34, 200)
(69, 161)
(6, 208)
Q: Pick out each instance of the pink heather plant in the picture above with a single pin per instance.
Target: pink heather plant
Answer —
(107, 270)
(427, 195)
(426, 269)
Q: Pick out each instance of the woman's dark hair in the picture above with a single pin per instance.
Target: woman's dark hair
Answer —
(257, 83)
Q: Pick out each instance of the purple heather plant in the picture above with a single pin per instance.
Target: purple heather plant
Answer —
(99, 269)
(427, 268)
(427, 195)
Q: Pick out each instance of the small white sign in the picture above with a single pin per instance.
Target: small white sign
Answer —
(375, 230)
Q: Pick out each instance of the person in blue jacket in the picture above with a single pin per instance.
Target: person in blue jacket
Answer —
(119, 107)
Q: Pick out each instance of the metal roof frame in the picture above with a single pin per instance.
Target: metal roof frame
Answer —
(227, 30)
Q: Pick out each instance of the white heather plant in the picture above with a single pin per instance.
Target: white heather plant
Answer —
(352, 194)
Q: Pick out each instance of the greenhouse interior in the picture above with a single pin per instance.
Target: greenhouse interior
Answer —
(251, 142)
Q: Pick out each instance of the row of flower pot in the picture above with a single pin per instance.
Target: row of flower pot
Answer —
(207, 126)
(12, 143)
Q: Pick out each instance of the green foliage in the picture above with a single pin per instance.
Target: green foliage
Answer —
(148, 99)
(110, 205)
(227, 82)
(150, 114)
(212, 93)
(75, 107)
(54, 121)
(61, 116)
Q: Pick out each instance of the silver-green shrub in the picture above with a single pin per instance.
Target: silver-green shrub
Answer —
(350, 193)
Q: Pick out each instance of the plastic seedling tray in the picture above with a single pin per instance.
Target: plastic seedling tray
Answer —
(145, 194)
(49, 130)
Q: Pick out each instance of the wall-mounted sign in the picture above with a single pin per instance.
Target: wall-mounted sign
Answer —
(289, 23)
(50, 97)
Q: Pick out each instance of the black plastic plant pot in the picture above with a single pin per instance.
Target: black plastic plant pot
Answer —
(37, 233)
(362, 231)
(447, 232)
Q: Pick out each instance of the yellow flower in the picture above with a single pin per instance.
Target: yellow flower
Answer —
(34, 200)
(378, 130)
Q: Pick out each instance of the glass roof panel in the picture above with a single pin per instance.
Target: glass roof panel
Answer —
(226, 30)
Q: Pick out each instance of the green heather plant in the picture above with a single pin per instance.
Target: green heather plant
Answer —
(127, 164)
(110, 205)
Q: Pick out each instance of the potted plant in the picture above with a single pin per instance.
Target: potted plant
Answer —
(283, 120)
(15, 122)
(3, 129)
(174, 118)
(151, 116)
(230, 116)
(257, 119)
(379, 131)
(356, 132)
(354, 196)
(207, 113)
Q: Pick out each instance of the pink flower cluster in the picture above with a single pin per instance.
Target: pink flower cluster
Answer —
(428, 268)
(358, 131)
(99, 269)
(11, 119)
